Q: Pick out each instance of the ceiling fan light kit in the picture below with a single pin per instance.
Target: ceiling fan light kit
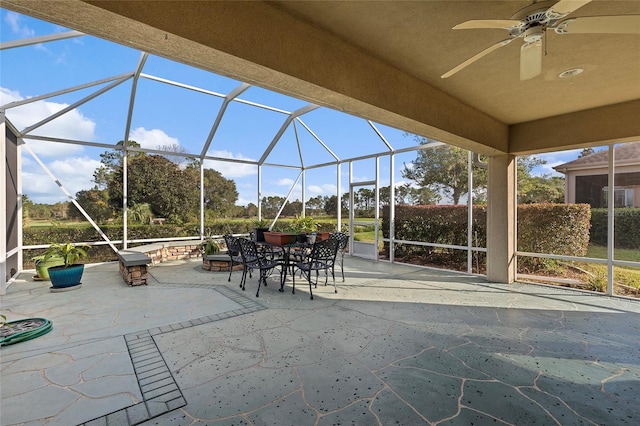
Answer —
(531, 24)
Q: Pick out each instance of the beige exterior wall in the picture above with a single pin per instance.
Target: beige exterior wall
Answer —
(501, 219)
(570, 181)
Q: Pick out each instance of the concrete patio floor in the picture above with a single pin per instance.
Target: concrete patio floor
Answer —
(396, 345)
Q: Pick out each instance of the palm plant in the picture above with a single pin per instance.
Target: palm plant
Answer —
(69, 253)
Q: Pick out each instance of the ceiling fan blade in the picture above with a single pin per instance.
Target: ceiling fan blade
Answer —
(530, 60)
(622, 24)
(476, 57)
(565, 7)
(487, 23)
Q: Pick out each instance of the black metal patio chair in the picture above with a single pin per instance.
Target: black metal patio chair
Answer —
(252, 258)
(321, 258)
(343, 240)
(233, 250)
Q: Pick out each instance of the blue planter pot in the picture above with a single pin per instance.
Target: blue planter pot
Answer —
(62, 277)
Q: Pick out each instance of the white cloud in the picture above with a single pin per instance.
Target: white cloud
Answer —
(231, 170)
(44, 149)
(72, 125)
(152, 139)
(324, 189)
(14, 21)
(245, 201)
(285, 182)
(75, 174)
(553, 159)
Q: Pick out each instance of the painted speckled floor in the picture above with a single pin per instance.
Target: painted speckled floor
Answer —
(396, 345)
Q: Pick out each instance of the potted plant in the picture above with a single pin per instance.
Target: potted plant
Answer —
(42, 266)
(303, 226)
(209, 246)
(260, 227)
(69, 273)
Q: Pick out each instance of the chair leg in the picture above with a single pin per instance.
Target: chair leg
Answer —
(230, 269)
(293, 275)
(342, 267)
(333, 275)
(262, 277)
(244, 277)
(311, 291)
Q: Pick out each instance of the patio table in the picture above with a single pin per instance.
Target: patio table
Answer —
(302, 247)
(283, 253)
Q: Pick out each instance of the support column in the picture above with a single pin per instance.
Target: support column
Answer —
(3, 207)
(501, 219)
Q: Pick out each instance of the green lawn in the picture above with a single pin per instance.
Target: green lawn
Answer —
(600, 252)
(367, 236)
(39, 223)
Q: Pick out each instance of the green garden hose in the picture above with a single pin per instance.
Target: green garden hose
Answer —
(25, 329)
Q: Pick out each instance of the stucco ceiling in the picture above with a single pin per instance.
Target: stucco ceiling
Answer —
(419, 40)
(383, 60)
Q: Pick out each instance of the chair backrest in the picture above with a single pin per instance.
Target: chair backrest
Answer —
(233, 246)
(341, 238)
(324, 251)
(248, 250)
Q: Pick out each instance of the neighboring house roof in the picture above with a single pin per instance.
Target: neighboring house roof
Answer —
(628, 153)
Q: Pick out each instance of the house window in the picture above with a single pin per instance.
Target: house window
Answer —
(623, 197)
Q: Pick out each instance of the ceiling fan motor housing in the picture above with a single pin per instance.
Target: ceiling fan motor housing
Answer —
(533, 34)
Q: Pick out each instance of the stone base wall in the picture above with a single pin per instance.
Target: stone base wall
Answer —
(167, 254)
(134, 275)
(219, 265)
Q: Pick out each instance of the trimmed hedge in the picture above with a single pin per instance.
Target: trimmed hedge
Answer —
(554, 228)
(103, 253)
(542, 228)
(443, 224)
(627, 227)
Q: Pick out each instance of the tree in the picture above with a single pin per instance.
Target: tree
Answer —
(270, 205)
(443, 169)
(220, 194)
(316, 204)
(153, 179)
(407, 194)
(60, 210)
(293, 208)
(140, 214)
(27, 205)
(95, 202)
(175, 149)
(364, 200)
(542, 189)
(111, 161)
(251, 210)
(331, 205)
(586, 152)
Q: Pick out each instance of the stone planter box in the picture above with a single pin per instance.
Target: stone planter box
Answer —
(219, 263)
(279, 238)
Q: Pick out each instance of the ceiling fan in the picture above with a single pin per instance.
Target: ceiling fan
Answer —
(531, 23)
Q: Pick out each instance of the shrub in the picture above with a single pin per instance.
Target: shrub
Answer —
(627, 227)
(542, 228)
(552, 228)
(104, 253)
(434, 224)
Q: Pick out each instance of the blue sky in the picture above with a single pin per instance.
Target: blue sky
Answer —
(167, 115)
